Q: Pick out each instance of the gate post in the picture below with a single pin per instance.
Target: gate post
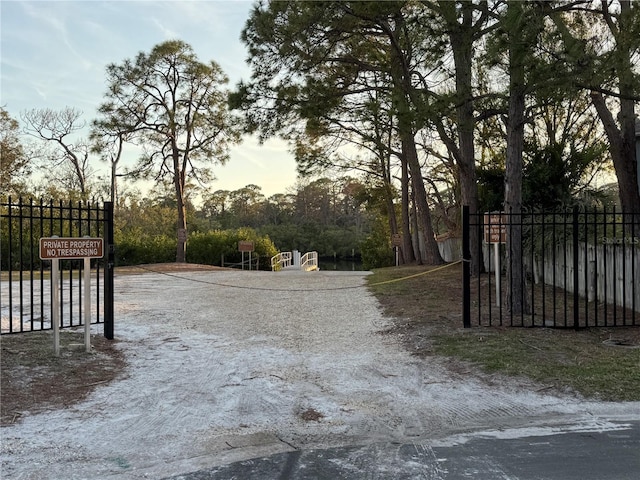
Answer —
(466, 269)
(108, 272)
(576, 296)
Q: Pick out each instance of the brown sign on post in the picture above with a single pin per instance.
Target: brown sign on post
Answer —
(396, 240)
(245, 246)
(495, 228)
(70, 248)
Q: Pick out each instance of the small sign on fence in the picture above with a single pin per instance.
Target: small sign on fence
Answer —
(495, 227)
(70, 248)
(495, 231)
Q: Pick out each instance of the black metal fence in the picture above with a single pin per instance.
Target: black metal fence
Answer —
(566, 269)
(25, 286)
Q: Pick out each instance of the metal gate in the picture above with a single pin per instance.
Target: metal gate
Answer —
(570, 269)
(25, 286)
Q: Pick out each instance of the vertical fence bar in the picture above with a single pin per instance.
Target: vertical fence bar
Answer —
(542, 273)
(478, 223)
(576, 296)
(20, 261)
(624, 267)
(554, 258)
(490, 250)
(61, 234)
(615, 270)
(562, 298)
(41, 263)
(510, 259)
(586, 270)
(70, 263)
(499, 276)
(523, 280)
(80, 264)
(31, 262)
(466, 269)
(595, 266)
(108, 272)
(10, 261)
(634, 250)
(533, 268)
(604, 266)
(99, 232)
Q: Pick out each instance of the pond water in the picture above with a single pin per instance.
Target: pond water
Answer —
(341, 265)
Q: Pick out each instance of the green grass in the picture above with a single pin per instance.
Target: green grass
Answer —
(576, 361)
(582, 361)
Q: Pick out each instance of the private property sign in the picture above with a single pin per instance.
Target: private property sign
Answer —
(70, 248)
(495, 227)
(245, 246)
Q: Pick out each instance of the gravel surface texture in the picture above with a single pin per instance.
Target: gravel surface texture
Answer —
(231, 365)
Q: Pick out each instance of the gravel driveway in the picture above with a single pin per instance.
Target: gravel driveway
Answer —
(231, 365)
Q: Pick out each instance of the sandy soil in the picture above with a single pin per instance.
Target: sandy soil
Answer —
(229, 365)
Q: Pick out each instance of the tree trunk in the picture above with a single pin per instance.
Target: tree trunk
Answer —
(402, 91)
(622, 149)
(179, 181)
(415, 228)
(408, 254)
(462, 46)
(621, 136)
(517, 300)
(114, 167)
(431, 251)
(391, 214)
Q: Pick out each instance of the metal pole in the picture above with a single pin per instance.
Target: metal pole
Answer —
(55, 305)
(496, 263)
(576, 297)
(108, 272)
(87, 304)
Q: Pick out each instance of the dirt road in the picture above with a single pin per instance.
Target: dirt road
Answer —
(230, 365)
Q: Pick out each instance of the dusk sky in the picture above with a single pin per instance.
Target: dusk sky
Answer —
(54, 54)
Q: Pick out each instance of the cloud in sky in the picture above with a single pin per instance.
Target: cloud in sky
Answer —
(54, 54)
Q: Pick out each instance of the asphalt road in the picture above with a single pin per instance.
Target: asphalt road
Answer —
(611, 454)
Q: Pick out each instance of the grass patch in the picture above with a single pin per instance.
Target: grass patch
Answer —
(599, 363)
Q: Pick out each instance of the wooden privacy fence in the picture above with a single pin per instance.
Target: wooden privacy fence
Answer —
(606, 273)
(576, 269)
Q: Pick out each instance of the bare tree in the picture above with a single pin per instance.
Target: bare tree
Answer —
(65, 156)
(108, 140)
